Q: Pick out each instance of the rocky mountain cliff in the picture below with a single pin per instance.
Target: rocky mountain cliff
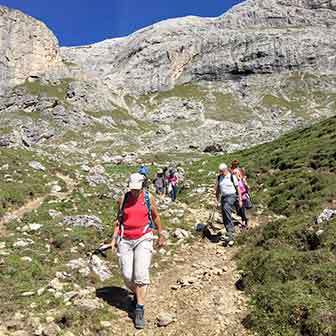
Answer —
(257, 37)
(183, 84)
(27, 47)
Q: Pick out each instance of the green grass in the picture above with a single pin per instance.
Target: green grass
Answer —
(18, 276)
(19, 182)
(225, 106)
(57, 91)
(289, 268)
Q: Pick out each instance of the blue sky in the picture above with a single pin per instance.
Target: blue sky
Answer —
(77, 22)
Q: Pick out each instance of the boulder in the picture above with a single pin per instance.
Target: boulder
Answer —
(84, 221)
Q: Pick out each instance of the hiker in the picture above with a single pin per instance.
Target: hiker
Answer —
(244, 188)
(144, 170)
(172, 185)
(166, 175)
(133, 233)
(159, 183)
(227, 194)
(241, 210)
(180, 178)
(235, 167)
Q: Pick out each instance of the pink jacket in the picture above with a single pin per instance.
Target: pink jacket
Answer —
(243, 189)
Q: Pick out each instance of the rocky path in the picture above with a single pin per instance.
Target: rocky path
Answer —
(36, 203)
(197, 293)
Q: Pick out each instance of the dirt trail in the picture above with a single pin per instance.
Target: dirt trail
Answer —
(36, 203)
(207, 304)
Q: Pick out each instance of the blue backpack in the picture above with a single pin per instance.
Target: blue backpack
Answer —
(143, 170)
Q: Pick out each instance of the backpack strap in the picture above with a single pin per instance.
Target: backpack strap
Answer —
(232, 180)
(149, 209)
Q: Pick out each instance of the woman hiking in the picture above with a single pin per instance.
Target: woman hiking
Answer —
(133, 236)
(241, 209)
(244, 190)
(172, 183)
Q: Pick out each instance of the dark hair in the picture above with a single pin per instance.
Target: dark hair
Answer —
(235, 164)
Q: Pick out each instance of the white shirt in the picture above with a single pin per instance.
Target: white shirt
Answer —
(226, 186)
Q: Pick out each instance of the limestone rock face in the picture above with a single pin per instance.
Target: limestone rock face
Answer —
(246, 77)
(27, 47)
(256, 37)
(281, 14)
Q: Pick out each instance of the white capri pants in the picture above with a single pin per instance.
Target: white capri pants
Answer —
(135, 258)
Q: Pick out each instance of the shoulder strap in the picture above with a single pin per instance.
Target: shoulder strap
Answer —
(149, 208)
(122, 207)
(232, 180)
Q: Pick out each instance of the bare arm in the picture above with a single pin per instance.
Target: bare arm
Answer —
(217, 193)
(116, 224)
(156, 216)
(240, 198)
(157, 221)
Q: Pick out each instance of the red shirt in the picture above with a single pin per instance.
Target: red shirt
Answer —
(135, 217)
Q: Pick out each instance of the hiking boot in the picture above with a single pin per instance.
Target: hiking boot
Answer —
(139, 320)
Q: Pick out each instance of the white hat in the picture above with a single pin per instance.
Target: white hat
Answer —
(135, 181)
(222, 167)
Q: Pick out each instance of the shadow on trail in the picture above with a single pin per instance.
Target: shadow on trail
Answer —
(116, 297)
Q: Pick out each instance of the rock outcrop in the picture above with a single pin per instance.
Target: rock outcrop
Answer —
(256, 37)
(27, 47)
(243, 78)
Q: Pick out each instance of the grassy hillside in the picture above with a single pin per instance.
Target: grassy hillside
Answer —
(298, 94)
(20, 183)
(289, 265)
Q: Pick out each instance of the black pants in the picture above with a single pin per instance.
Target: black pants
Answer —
(241, 211)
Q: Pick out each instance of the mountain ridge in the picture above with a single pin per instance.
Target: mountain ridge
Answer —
(185, 84)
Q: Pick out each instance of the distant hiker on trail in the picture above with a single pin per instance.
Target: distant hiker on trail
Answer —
(144, 170)
(244, 189)
(172, 184)
(159, 183)
(235, 167)
(241, 210)
(228, 193)
(137, 218)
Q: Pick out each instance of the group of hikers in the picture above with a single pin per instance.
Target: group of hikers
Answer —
(138, 219)
(167, 182)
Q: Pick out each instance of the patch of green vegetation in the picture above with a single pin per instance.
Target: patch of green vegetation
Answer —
(274, 101)
(22, 114)
(227, 108)
(57, 91)
(5, 129)
(289, 264)
(224, 106)
(70, 64)
(183, 91)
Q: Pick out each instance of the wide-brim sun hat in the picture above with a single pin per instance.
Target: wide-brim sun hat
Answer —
(135, 181)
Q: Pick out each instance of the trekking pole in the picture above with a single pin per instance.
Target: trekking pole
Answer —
(100, 251)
